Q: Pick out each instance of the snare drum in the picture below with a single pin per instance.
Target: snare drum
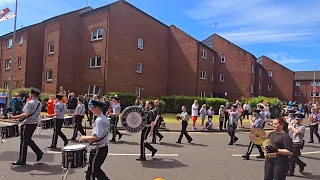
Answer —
(47, 123)
(9, 131)
(68, 121)
(74, 156)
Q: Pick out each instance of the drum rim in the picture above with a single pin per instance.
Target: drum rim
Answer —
(8, 125)
(74, 149)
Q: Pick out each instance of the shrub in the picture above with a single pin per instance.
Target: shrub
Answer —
(151, 100)
(260, 99)
(216, 103)
(126, 99)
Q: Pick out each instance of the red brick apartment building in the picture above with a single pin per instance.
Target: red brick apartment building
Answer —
(303, 86)
(106, 49)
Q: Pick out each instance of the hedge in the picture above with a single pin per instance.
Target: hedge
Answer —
(126, 99)
(260, 99)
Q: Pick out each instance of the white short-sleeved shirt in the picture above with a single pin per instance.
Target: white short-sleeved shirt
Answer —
(195, 112)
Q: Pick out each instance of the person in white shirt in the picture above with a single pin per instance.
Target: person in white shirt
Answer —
(246, 109)
(194, 114)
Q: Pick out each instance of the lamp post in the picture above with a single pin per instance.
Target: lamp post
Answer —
(314, 82)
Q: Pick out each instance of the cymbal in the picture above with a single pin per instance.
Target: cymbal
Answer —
(268, 142)
(257, 136)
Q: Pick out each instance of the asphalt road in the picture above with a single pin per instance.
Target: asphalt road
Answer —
(208, 158)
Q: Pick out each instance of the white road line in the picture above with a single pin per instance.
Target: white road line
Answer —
(303, 153)
(117, 154)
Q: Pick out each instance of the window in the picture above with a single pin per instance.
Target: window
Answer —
(21, 40)
(213, 59)
(138, 92)
(212, 78)
(49, 75)
(96, 34)
(297, 83)
(315, 94)
(51, 48)
(19, 62)
(251, 89)
(297, 93)
(252, 69)
(221, 77)
(7, 64)
(259, 86)
(139, 68)
(9, 43)
(269, 87)
(204, 54)
(316, 83)
(211, 95)
(6, 85)
(95, 62)
(140, 43)
(93, 89)
(203, 75)
(223, 59)
(270, 73)
(202, 94)
(260, 72)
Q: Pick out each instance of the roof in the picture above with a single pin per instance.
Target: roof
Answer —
(306, 75)
(261, 62)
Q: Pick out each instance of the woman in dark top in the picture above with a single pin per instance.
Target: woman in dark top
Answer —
(276, 168)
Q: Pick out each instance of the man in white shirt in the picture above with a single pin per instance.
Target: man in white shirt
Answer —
(194, 114)
(246, 109)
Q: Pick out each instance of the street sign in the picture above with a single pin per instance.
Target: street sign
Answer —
(314, 89)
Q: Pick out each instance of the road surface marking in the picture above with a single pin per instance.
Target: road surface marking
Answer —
(117, 154)
(303, 153)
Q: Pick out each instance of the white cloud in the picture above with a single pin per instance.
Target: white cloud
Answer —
(283, 58)
(256, 21)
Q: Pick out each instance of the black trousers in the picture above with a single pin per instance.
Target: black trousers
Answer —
(156, 131)
(226, 120)
(232, 132)
(276, 168)
(250, 148)
(58, 123)
(294, 159)
(91, 116)
(221, 123)
(143, 144)
(184, 131)
(27, 131)
(245, 113)
(78, 126)
(115, 131)
(96, 159)
(314, 130)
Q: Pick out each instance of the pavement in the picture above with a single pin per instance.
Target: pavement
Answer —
(208, 157)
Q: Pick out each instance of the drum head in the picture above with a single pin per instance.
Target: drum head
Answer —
(46, 119)
(133, 119)
(68, 117)
(74, 147)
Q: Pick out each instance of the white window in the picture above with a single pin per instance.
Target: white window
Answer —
(316, 83)
(6, 85)
(49, 75)
(270, 73)
(221, 77)
(51, 48)
(138, 92)
(203, 75)
(269, 87)
(297, 93)
(315, 94)
(9, 43)
(297, 83)
(204, 54)
(96, 34)
(140, 43)
(21, 40)
(211, 95)
(213, 59)
(93, 89)
(95, 62)
(7, 64)
(251, 89)
(259, 86)
(223, 59)
(212, 78)
(252, 69)
(139, 68)
(260, 72)
(202, 94)
(19, 62)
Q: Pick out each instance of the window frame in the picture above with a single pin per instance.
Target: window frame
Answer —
(140, 43)
(97, 38)
(7, 64)
(317, 83)
(298, 83)
(212, 77)
(95, 58)
(94, 89)
(138, 92)
(252, 69)
(269, 87)
(141, 66)
(204, 54)
(21, 40)
(251, 88)
(203, 75)
(221, 76)
(47, 75)
(317, 94)
(8, 44)
(202, 94)
(297, 93)
(6, 83)
(49, 48)
(223, 59)
(270, 74)
(260, 71)
(19, 63)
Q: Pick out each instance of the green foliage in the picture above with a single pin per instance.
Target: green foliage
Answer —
(126, 99)
(151, 100)
(260, 99)
(215, 102)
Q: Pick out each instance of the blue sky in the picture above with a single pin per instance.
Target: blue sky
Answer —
(287, 31)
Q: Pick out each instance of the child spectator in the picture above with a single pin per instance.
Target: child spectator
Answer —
(203, 114)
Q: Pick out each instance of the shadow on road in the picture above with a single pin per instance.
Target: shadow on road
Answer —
(200, 145)
(125, 142)
(312, 158)
(241, 145)
(43, 136)
(306, 175)
(311, 146)
(31, 157)
(40, 167)
(170, 144)
(159, 163)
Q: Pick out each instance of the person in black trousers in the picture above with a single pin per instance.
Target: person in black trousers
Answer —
(184, 123)
(144, 135)
(78, 115)
(157, 122)
(226, 115)
(116, 110)
(221, 117)
(314, 124)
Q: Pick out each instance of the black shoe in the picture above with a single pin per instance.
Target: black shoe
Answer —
(18, 163)
(120, 136)
(290, 173)
(154, 152)
(178, 142)
(66, 142)
(190, 141)
(160, 139)
(73, 139)
(310, 142)
(141, 159)
(246, 157)
(39, 157)
(235, 139)
(230, 143)
(301, 168)
(261, 156)
(112, 140)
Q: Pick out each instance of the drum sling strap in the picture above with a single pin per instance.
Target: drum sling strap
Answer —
(99, 139)
(30, 114)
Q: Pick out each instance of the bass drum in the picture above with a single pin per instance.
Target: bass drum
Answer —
(133, 119)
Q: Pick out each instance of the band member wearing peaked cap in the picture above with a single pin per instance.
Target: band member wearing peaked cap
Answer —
(99, 139)
(30, 117)
(116, 110)
(233, 123)
(79, 115)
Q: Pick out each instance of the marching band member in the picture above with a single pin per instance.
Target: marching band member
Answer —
(255, 122)
(233, 122)
(277, 167)
(144, 135)
(78, 117)
(296, 132)
(157, 122)
(314, 124)
(262, 115)
(184, 122)
(30, 116)
(59, 109)
(99, 139)
(115, 118)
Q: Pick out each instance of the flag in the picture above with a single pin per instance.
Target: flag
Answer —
(4, 14)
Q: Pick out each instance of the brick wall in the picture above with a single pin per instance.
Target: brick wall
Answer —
(302, 93)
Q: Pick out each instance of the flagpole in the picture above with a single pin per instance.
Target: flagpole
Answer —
(13, 52)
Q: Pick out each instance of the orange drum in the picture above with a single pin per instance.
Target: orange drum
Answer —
(64, 100)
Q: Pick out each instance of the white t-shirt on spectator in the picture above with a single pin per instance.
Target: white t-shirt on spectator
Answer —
(195, 111)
